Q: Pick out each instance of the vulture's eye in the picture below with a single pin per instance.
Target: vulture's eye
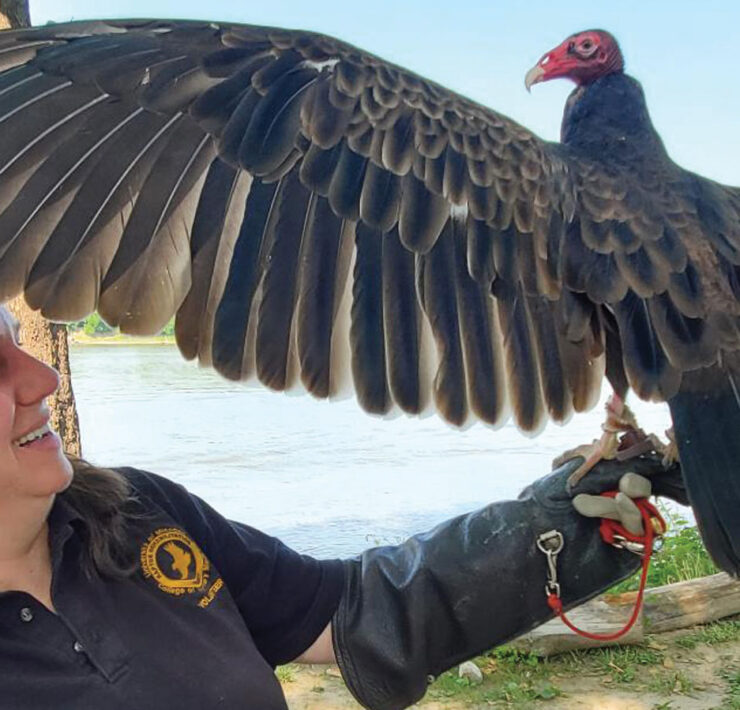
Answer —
(587, 44)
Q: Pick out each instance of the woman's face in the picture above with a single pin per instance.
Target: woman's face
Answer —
(32, 463)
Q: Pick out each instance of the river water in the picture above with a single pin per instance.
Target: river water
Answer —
(325, 477)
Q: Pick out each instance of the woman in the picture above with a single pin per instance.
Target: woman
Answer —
(119, 589)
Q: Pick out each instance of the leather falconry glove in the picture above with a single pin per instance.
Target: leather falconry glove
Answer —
(411, 611)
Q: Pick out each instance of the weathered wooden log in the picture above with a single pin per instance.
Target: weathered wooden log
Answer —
(666, 608)
(697, 601)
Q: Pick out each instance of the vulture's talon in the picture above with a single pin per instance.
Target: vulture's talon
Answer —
(619, 418)
(670, 450)
(601, 449)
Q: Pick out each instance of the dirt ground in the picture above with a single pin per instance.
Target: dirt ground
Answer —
(674, 677)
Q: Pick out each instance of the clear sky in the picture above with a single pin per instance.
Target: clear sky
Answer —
(684, 52)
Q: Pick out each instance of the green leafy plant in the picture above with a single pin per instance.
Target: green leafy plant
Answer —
(95, 325)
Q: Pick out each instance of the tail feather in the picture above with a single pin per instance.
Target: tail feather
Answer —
(706, 421)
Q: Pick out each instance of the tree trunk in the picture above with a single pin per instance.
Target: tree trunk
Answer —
(14, 13)
(44, 340)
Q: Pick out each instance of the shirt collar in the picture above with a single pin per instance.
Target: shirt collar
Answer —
(63, 520)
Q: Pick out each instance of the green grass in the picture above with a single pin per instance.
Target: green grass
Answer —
(731, 676)
(286, 674)
(668, 683)
(511, 679)
(621, 663)
(520, 680)
(717, 632)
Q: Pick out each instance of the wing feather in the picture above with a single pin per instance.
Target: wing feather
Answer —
(234, 312)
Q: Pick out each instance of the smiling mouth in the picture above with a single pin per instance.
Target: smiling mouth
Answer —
(32, 436)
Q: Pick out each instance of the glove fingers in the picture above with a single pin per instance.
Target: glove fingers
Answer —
(621, 507)
(635, 486)
(629, 514)
(596, 506)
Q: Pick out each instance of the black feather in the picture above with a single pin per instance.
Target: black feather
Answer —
(380, 198)
(398, 144)
(232, 316)
(346, 183)
(525, 392)
(648, 369)
(686, 292)
(482, 202)
(485, 386)
(552, 374)
(687, 342)
(440, 306)
(279, 284)
(275, 123)
(175, 86)
(317, 168)
(209, 224)
(455, 176)
(422, 216)
(401, 323)
(317, 278)
(480, 240)
(213, 109)
(367, 336)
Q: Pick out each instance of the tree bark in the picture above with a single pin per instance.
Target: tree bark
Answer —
(44, 340)
(14, 13)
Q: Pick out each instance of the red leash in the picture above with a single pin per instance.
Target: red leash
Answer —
(613, 534)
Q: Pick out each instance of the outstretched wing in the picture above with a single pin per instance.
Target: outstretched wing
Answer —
(307, 208)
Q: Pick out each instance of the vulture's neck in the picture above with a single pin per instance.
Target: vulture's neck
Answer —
(608, 120)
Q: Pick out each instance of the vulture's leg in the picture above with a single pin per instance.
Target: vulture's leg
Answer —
(622, 439)
(619, 419)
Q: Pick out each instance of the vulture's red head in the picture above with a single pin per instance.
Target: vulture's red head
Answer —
(583, 58)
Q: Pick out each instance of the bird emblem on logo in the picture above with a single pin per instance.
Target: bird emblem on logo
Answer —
(175, 562)
(181, 559)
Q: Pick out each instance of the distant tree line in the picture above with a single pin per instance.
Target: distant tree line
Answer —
(94, 325)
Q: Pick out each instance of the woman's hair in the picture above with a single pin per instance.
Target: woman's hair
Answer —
(105, 501)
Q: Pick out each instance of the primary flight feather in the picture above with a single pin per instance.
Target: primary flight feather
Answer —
(306, 208)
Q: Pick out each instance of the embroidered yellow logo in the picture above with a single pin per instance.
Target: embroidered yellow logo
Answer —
(174, 561)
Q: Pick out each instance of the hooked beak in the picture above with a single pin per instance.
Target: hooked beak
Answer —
(534, 76)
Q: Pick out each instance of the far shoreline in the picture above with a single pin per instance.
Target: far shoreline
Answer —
(118, 339)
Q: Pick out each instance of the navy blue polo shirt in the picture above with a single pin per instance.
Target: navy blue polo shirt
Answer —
(211, 609)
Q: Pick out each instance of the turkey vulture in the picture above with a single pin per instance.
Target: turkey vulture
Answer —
(306, 208)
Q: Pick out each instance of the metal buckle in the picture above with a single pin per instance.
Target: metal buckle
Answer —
(622, 543)
(551, 544)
